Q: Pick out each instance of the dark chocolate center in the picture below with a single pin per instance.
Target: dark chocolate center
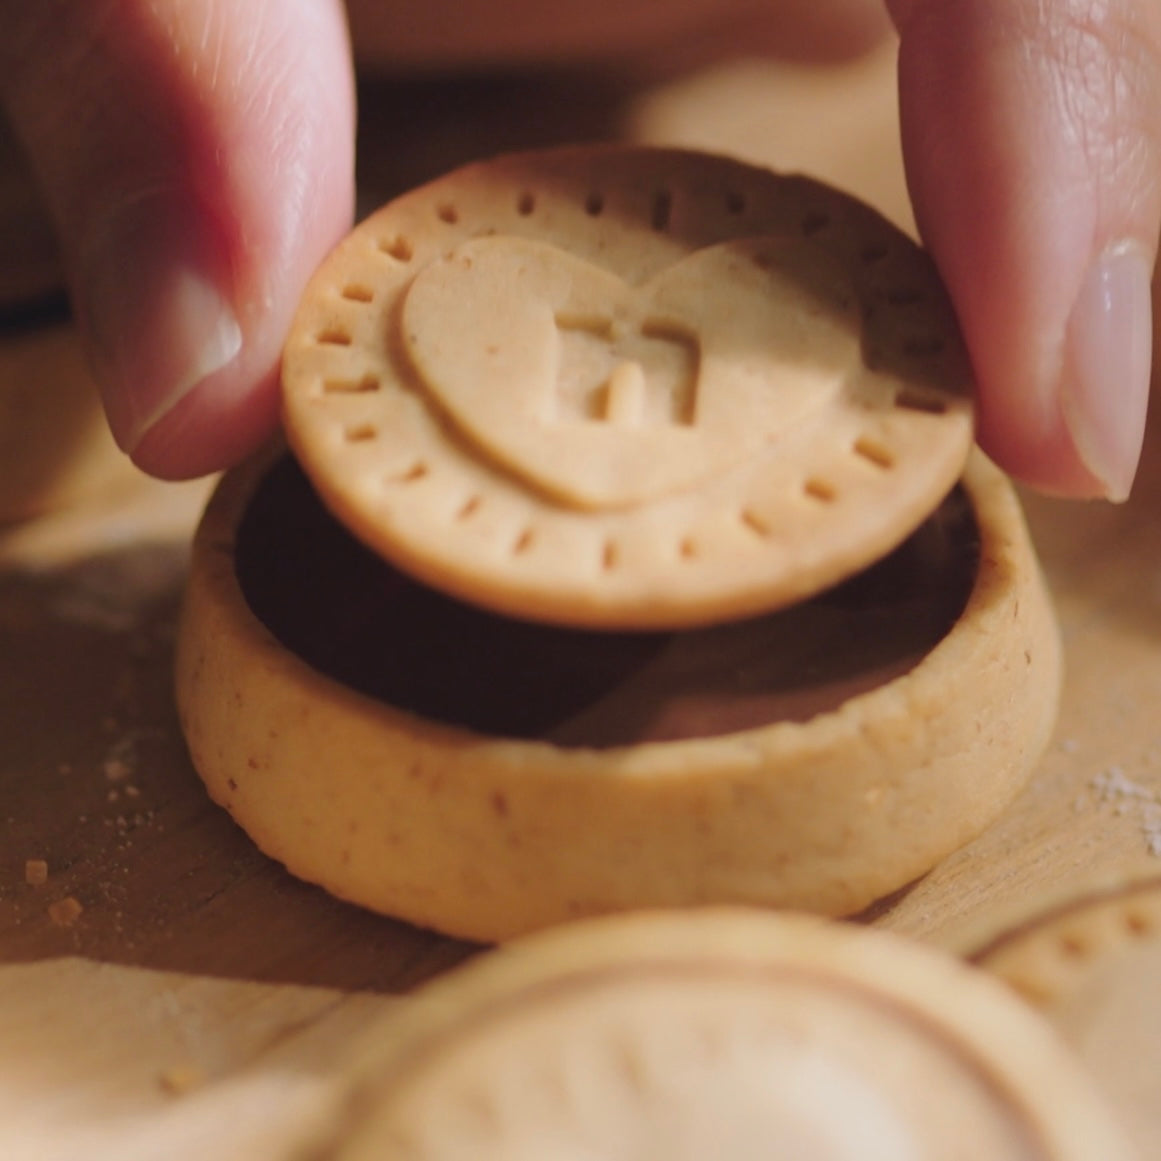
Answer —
(360, 621)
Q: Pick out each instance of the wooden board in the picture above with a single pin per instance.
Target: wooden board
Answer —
(167, 991)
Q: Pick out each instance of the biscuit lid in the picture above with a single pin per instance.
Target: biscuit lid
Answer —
(738, 1034)
(627, 387)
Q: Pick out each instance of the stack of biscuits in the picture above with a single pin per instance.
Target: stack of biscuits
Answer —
(628, 565)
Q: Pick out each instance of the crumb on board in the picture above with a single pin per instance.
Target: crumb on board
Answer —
(36, 872)
(1152, 832)
(65, 912)
(1116, 790)
(116, 769)
(181, 1078)
(1114, 785)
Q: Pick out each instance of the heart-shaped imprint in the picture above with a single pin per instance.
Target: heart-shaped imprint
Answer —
(606, 395)
(627, 388)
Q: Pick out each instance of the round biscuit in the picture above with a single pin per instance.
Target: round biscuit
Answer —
(627, 387)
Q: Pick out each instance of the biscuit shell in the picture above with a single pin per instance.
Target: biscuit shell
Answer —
(488, 837)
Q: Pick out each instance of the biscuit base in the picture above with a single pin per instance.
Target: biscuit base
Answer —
(486, 838)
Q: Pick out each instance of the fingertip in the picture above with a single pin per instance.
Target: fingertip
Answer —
(154, 299)
(1104, 387)
(211, 428)
(1038, 195)
(1086, 440)
(212, 169)
(1044, 460)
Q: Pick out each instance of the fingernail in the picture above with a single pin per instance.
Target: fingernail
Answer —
(153, 305)
(1108, 359)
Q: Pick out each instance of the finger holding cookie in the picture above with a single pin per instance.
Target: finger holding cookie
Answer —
(198, 158)
(198, 161)
(1034, 161)
(212, 168)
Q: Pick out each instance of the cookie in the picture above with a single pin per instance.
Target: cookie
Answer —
(487, 776)
(718, 1034)
(623, 387)
(1091, 965)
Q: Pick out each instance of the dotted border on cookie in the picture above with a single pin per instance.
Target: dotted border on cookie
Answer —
(764, 534)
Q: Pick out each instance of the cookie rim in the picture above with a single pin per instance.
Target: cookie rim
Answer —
(909, 749)
(996, 941)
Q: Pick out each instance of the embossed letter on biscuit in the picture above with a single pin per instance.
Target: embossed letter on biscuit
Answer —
(608, 395)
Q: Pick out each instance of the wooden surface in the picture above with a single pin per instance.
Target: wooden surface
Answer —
(165, 989)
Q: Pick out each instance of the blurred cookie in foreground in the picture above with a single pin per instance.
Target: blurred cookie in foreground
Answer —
(718, 1034)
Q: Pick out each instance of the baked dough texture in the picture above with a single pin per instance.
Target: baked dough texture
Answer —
(625, 387)
(487, 837)
(718, 1034)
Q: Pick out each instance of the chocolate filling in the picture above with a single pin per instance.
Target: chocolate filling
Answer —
(355, 618)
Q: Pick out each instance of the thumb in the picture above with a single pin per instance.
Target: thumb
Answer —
(1032, 134)
(197, 156)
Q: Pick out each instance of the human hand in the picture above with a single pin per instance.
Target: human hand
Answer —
(197, 157)
(1032, 136)
(190, 222)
